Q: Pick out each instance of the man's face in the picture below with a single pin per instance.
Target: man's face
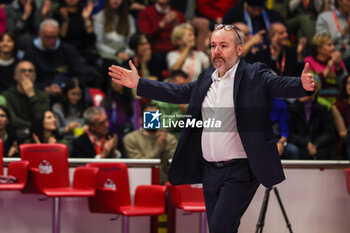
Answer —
(280, 34)
(100, 126)
(254, 11)
(25, 70)
(49, 36)
(344, 5)
(224, 52)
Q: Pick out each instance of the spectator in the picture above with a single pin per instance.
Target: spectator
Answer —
(7, 134)
(54, 60)
(337, 24)
(151, 144)
(254, 14)
(186, 58)
(44, 129)
(69, 111)
(76, 26)
(251, 42)
(113, 27)
(174, 111)
(97, 141)
(8, 60)
(282, 59)
(118, 106)
(214, 10)
(158, 22)
(341, 116)
(143, 58)
(23, 17)
(327, 64)
(311, 129)
(24, 100)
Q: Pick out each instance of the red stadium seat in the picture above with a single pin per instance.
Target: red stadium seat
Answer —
(347, 178)
(113, 194)
(189, 198)
(49, 175)
(17, 169)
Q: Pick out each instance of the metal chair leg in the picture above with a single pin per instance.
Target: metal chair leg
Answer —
(203, 226)
(56, 214)
(125, 224)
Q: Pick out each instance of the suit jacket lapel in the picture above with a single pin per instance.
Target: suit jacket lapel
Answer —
(238, 77)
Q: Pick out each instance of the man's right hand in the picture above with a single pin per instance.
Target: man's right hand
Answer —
(128, 78)
(27, 87)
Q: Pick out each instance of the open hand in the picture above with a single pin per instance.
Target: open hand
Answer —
(128, 78)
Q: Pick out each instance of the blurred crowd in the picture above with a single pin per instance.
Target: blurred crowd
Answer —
(54, 57)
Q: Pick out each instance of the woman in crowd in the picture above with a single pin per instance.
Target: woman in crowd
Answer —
(341, 116)
(143, 60)
(69, 112)
(7, 135)
(118, 105)
(44, 129)
(186, 58)
(8, 60)
(327, 64)
(113, 26)
(76, 25)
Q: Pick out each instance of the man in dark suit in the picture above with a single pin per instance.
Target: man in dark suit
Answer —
(97, 141)
(233, 162)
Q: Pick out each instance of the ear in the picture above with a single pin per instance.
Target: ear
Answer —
(240, 48)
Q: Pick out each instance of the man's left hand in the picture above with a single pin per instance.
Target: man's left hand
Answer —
(307, 79)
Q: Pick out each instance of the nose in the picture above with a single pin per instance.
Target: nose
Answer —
(217, 50)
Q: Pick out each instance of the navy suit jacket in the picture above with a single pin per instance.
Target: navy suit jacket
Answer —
(254, 86)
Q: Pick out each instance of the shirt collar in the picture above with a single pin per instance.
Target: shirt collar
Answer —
(160, 10)
(230, 74)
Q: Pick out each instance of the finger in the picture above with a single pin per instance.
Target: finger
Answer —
(306, 68)
(117, 81)
(261, 32)
(132, 67)
(115, 76)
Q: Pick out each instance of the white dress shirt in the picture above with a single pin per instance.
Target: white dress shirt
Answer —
(224, 144)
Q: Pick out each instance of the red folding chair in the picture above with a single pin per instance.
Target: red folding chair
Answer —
(347, 178)
(113, 194)
(49, 175)
(17, 169)
(188, 198)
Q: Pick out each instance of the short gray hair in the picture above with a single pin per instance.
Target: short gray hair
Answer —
(89, 114)
(48, 22)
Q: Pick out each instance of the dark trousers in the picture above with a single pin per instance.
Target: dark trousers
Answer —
(228, 192)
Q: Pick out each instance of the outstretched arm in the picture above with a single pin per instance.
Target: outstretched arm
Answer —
(162, 91)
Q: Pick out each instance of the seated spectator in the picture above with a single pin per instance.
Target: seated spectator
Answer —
(118, 106)
(7, 134)
(327, 64)
(301, 17)
(143, 59)
(113, 27)
(337, 24)
(214, 10)
(24, 100)
(341, 116)
(283, 60)
(8, 60)
(54, 60)
(158, 22)
(151, 144)
(186, 57)
(175, 110)
(76, 26)
(251, 42)
(69, 111)
(97, 141)
(44, 129)
(311, 133)
(23, 18)
(254, 14)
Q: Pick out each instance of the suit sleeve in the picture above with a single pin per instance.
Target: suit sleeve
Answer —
(166, 92)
